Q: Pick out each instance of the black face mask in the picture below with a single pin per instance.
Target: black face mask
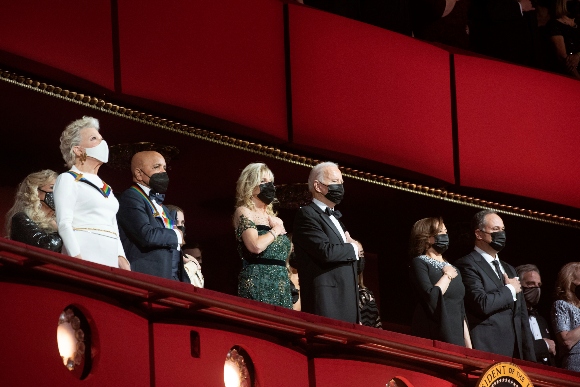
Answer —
(48, 199)
(158, 182)
(182, 229)
(335, 192)
(441, 243)
(267, 193)
(577, 291)
(497, 240)
(532, 296)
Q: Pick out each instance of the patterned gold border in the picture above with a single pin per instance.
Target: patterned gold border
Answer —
(268, 151)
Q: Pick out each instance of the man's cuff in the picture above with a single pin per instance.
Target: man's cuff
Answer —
(547, 345)
(513, 290)
(355, 249)
(179, 239)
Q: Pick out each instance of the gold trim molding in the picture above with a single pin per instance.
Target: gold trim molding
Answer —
(275, 153)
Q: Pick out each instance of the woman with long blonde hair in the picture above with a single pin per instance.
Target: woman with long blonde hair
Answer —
(262, 243)
(31, 219)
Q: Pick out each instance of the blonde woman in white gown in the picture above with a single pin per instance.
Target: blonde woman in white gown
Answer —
(86, 207)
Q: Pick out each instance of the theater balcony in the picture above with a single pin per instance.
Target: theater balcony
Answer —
(141, 330)
(417, 131)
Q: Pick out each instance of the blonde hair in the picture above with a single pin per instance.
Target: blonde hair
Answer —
(564, 281)
(27, 201)
(71, 137)
(560, 9)
(250, 178)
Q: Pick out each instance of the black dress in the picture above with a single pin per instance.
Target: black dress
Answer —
(27, 231)
(437, 316)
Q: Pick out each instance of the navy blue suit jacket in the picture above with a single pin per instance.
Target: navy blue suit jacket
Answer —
(150, 247)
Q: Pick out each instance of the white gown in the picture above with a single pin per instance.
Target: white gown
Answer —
(87, 220)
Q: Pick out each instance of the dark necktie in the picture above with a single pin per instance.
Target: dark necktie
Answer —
(497, 269)
(330, 212)
(159, 198)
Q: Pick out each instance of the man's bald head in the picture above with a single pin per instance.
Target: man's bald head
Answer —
(146, 163)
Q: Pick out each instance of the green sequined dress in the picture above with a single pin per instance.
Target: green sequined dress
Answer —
(264, 276)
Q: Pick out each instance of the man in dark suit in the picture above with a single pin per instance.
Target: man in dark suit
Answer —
(325, 253)
(544, 346)
(146, 227)
(504, 29)
(495, 308)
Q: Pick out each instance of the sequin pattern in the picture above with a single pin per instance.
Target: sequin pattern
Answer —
(566, 317)
(265, 283)
(434, 262)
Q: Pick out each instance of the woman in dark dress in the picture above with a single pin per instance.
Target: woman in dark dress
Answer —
(31, 219)
(262, 243)
(440, 314)
(565, 37)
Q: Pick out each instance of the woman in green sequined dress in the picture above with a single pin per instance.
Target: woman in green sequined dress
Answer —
(262, 243)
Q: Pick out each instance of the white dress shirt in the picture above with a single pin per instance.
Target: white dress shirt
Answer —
(323, 207)
(489, 260)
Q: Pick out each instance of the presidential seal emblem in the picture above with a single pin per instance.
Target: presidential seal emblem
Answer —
(504, 375)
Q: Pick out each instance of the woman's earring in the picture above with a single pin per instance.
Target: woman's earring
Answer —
(83, 158)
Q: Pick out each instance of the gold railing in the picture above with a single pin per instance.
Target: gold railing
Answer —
(275, 153)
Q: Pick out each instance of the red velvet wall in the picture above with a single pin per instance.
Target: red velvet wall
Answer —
(349, 373)
(29, 349)
(275, 365)
(69, 35)
(518, 130)
(222, 58)
(369, 92)
(121, 341)
(356, 89)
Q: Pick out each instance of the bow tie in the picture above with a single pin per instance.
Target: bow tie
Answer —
(330, 212)
(159, 198)
(533, 312)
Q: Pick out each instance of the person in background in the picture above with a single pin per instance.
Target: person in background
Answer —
(367, 304)
(291, 265)
(148, 230)
(192, 259)
(544, 346)
(442, 21)
(566, 315)
(262, 243)
(496, 309)
(85, 205)
(178, 215)
(565, 37)
(440, 314)
(31, 219)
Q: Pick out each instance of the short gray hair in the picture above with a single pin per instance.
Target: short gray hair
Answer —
(71, 137)
(523, 269)
(316, 173)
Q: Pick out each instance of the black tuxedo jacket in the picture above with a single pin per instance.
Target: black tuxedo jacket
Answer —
(497, 324)
(540, 346)
(326, 266)
(150, 247)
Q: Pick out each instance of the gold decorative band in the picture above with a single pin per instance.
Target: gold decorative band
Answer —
(95, 229)
(275, 153)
